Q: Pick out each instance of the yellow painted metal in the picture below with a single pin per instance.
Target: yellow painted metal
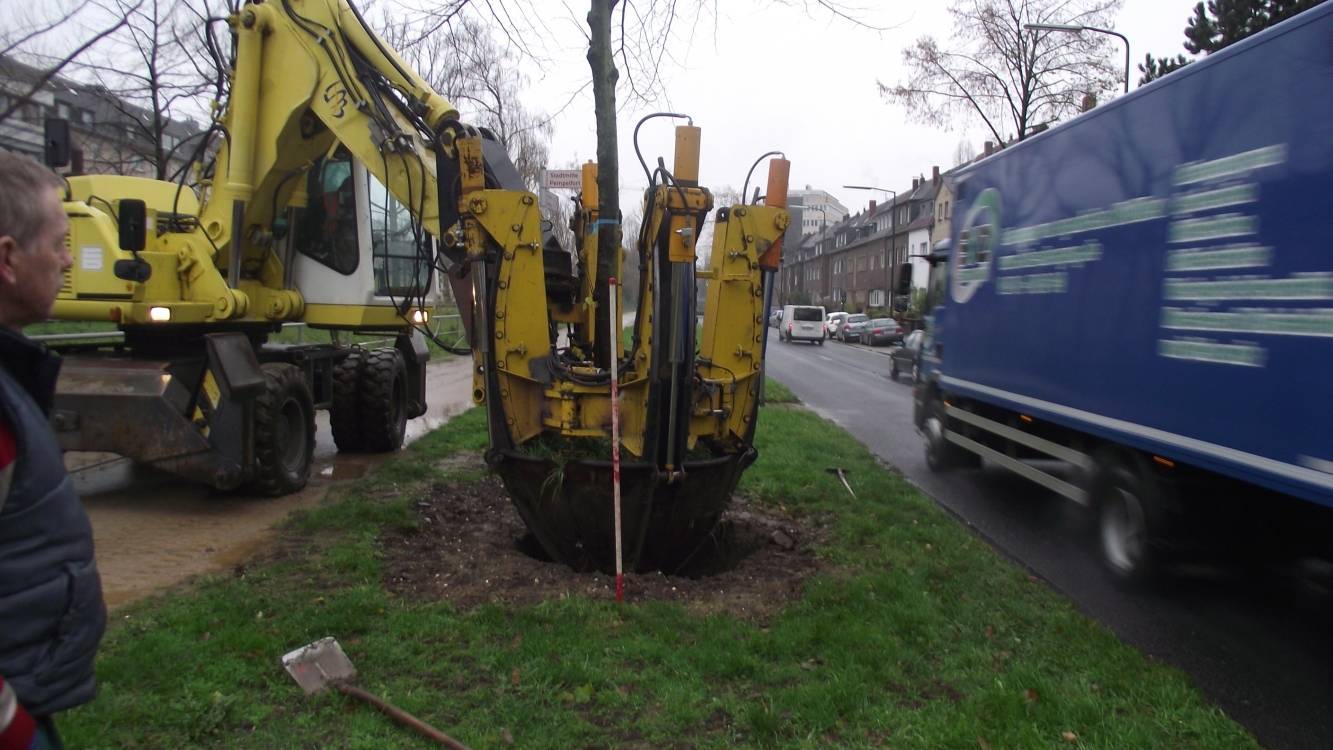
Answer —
(293, 96)
(685, 228)
(519, 324)
(352, 317)
(731, 349)
(585, 235)
(212, 396)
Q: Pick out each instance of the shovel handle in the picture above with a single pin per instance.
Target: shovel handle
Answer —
(402, 716)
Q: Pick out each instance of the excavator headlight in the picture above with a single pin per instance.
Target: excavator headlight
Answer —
(420, 317)
(159, 314)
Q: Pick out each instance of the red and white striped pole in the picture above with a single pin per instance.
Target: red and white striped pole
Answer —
(614, 332)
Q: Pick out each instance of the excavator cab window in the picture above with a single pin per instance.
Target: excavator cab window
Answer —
(402, 253)
(327, 227)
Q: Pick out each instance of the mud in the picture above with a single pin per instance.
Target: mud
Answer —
(153, 531)
(470, 548)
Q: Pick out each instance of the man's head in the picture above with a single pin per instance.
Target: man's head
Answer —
(33, 256)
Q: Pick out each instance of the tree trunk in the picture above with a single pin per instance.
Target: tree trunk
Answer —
(604, 76)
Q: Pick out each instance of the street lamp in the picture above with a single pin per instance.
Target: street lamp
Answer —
(891, 256)
(1077, 29)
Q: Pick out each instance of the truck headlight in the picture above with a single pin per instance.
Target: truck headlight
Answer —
(420, 317)
(159, 314)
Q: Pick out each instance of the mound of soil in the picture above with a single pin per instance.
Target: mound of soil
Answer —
(471, 548)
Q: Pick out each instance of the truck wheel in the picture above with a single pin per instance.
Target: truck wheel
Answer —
(344, 409)
(1130, 521)
(383, 401)
(820, 342)
(284, 431)
(942, 455)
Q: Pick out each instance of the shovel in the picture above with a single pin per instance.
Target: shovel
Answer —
(322, 665)
(842, 474)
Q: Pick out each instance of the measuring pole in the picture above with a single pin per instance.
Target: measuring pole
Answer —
(614, 340)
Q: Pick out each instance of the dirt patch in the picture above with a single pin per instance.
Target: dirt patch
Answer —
(471, 548)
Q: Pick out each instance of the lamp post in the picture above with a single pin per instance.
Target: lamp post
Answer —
(1077, 29)
(890, 257)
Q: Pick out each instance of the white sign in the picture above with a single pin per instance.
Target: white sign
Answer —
(564, 179)
(90, 257)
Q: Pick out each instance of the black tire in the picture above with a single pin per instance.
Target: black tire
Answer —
(383, 400)
(820, 342)
(284, 431)
(942, 455)
(344, 407)
(1131, 519)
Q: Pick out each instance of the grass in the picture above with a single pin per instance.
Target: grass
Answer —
(920, 637)
(448, 329)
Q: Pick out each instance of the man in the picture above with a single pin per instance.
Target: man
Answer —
(51, 609)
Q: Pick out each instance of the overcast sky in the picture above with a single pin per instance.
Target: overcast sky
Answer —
(803, 83)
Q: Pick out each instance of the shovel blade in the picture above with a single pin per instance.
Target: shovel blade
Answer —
(317, 665)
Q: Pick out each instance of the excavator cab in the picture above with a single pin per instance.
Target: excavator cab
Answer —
(356, 253)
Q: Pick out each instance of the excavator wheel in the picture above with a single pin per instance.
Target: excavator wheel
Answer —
(383, 400)
(284, 431)
(344, 408)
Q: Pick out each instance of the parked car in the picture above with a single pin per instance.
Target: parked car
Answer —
(882, 331)
(851, 327)
(906, 357)
(833, 322)
(802, 323)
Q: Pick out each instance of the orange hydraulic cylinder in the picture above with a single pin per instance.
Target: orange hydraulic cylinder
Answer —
(681, 246)
(686, 167)
(779, 170)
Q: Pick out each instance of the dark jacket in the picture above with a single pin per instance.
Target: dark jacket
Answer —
(51, 611)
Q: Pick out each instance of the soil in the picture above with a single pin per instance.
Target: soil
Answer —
(471, 548)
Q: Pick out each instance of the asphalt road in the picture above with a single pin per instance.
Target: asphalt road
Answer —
(1257, 641)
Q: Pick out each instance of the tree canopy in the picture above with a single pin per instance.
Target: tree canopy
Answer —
(994, 69)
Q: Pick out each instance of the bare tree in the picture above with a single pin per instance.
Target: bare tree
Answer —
(30, 38)
(150, 77)
(964, 152)
(463, 61)
(1010, 78)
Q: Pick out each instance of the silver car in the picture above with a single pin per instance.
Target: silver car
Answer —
(850, 330)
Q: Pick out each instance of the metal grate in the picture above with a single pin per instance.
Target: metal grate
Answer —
(67, 287)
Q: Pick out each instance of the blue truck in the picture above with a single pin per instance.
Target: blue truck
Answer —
(1134, 308)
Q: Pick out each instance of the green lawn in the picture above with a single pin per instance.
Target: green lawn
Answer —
(918, 635)
(448, 329)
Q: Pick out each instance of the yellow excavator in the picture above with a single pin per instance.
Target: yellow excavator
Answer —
(335, 189)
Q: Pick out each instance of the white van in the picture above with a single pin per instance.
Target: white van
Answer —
(802, 323)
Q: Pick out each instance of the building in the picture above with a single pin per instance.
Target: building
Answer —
(109, 135)
(818, 209)
(855, 263)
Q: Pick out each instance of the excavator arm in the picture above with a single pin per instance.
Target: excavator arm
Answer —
(308, 76)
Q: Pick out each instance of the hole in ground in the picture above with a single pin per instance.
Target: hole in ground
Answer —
(471, 548)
